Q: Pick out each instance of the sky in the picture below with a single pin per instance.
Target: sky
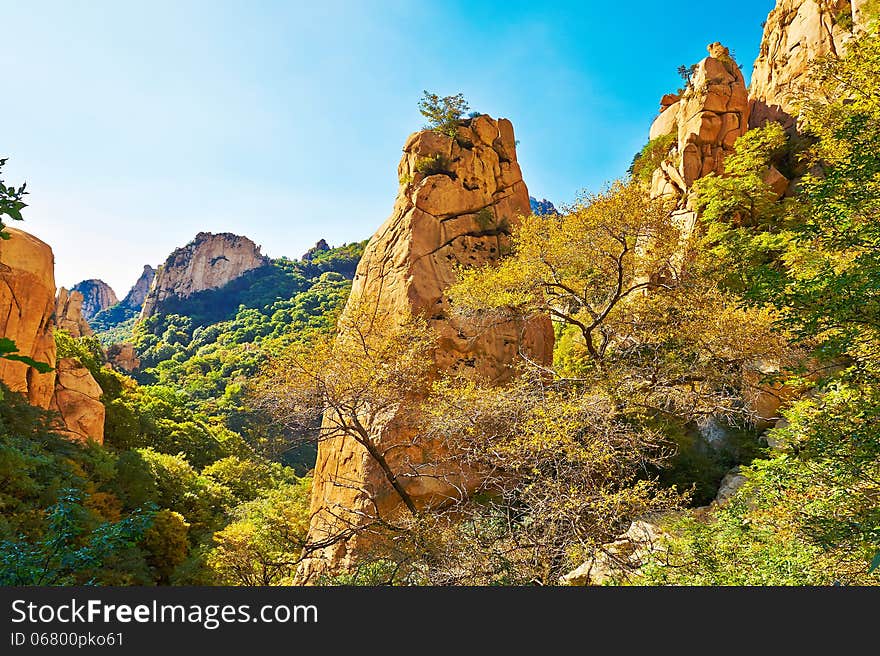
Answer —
(137, 125)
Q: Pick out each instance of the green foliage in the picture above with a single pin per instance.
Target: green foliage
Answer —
(650, 157)
(11, 203)
(262, 545)
(114, 324)
(61, 521)
(9, 351)
(437, 164)
(686, 72)
(444, 113)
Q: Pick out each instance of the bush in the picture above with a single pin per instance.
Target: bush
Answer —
(438, 164)
(650, 157)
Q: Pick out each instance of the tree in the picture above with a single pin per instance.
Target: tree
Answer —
(264, 542)
(640, 319)
(11, 203)
(686, 72)
(341, 388)
(68, 551)
(561, 473)
(444, 113)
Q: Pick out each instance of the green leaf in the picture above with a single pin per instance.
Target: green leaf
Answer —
(875, 563)
(41, 367)
(7, 345)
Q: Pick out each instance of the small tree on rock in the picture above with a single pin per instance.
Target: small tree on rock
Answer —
(444, 113)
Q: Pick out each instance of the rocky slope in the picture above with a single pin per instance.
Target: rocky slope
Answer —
(69, 313)
(796, 32)
(134, 300)
(97, 295)
(27, 310)
(27, 304)
(210, 261)
(456, 212)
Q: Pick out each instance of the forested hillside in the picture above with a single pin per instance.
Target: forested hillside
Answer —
(190, 484)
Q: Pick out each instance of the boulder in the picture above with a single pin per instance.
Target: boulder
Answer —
(617, 560)
(665, 123)
(123, 357)
(77, 399)
(732, 481)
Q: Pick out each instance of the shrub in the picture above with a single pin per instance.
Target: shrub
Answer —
(650, 157)
(438, 164)
(444, 113)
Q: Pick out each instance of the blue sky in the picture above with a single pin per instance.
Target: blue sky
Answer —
(137, 125)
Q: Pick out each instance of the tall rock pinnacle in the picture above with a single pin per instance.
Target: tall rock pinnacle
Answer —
(455, 211)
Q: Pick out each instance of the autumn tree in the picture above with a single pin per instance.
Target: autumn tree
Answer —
(637, 309)
(341, 388)
(264, 542)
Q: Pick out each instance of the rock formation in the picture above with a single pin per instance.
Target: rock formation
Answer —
(134, 300)
(77, 400)
(704, 123)
(27, 303)
(542, 206)
(69, 313)
(320, 247)
(97, 295)
(457, 201)
(208, 262)
(123, 357)
(796, 32)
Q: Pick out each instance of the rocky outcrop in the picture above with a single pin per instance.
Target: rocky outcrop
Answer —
(703, 124)
(123, 357)
(134, 300)
(97, 295)
(457, 202)
(77, 400)
(796, 32)
(321, 247)
(618, 560)
(69, 313)
(27, 303)
(209, 261)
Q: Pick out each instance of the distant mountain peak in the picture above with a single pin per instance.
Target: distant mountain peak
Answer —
(207, 262)
(97, 296)
(320, 247)
(542, 206)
